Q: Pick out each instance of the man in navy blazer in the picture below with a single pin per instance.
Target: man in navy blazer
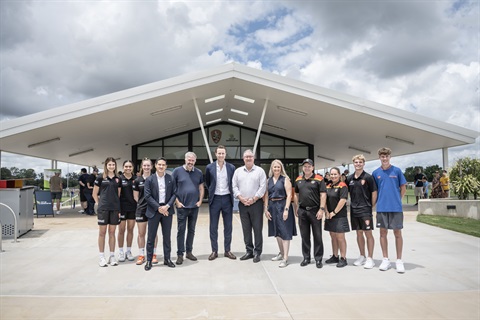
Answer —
(218, 178)
(159, 190)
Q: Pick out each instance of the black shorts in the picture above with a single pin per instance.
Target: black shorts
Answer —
(82, 196)
(56, 195)
(390, 220)
(337, 225)
(106, 217)
(362, 223)
(127, 215)
(140, 216)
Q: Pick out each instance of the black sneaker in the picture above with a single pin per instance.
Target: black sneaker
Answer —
(332, 259)
(342, 263)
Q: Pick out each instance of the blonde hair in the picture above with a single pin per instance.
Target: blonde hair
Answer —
(282, 170)
(141, 165)
(105, 170)
(358, 157)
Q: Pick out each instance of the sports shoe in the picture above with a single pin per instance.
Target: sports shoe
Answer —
(154, 259)
(369, 264)
(278, 257)
(283, 264)
(112, 261)
(361, 260)
(121, 257)
(332, 259)
(141, 260)
(59, 212)
(400, 267)
(385, 265)
(81, 211)
(342, 262)
(130, 256)
(102, 262)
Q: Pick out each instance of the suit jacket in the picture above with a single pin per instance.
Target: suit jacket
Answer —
(151, 194)
(211, 179)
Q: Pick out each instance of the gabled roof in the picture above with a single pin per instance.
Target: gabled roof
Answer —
(332, 121)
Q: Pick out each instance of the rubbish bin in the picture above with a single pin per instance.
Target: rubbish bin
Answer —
(21, 202)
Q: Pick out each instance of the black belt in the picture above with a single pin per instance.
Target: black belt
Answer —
(309, 208)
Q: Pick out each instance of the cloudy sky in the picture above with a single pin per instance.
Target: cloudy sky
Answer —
(420, 56)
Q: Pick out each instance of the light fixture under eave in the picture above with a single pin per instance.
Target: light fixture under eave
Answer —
(294, 111)
(156, 113)
(175, 127)
(274, 127)
(244, 99)
(322, 157)
(43, 142)
(214, 98)
(80, 152)
(244, 113)
(235, 121)
(213, 121)
(358, 149)
(400, 140)
(213, 111)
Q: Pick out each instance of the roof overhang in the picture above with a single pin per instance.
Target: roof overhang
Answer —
(338, 125)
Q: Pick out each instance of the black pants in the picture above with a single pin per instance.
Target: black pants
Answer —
(308, 220)
(166, 222)
(251, 218)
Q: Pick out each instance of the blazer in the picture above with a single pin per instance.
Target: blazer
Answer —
(151, 194)
(211, 179)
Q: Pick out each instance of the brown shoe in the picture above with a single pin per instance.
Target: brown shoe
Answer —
(213, 256)
(190, 256)
(179, 260)
(230, 255)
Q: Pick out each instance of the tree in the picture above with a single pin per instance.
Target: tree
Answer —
(5, 173)
(410, 173)
(465, 178)
(430, 171)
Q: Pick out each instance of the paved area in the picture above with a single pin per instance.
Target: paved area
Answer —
(52, 273)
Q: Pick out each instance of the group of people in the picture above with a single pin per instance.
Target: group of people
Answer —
(152, 198)
(440, 185)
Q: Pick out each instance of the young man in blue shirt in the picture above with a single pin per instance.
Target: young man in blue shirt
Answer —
(391, 185)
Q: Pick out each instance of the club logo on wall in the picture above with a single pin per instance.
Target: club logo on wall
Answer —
(216, 135)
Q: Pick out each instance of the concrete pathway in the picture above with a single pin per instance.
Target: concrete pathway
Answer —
(52, 273)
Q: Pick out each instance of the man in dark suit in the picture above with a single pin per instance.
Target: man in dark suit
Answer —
(218, 178)
(159, 190)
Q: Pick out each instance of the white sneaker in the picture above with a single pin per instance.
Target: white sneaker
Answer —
(283, 264)
(59, 212)
(102, 262)
(385, 265)
(360, 261)
(121, 257)
(278, 257)
(400, 267)
(369, 264)
(112, 261)
(130, 256)
(81, 211)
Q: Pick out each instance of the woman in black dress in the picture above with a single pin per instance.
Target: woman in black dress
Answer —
(281, 219)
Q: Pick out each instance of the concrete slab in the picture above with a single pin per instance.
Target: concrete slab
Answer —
(52, 273)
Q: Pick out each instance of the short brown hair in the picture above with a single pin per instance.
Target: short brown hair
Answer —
(384, 151)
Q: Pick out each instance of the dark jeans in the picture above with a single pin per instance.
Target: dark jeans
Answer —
(186, 217)
(252, 219)
(307, 220)
(90, 203)
(225, 205)
(166, 222)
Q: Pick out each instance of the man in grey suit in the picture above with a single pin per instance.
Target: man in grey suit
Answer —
(218, 178)
(159, 190)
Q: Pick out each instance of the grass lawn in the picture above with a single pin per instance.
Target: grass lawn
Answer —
(463, 225)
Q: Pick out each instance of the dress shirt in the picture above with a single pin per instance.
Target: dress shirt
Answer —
(249, 183)
(221, 188)
(161, 188)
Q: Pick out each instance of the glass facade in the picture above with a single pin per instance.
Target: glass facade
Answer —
(236, 139)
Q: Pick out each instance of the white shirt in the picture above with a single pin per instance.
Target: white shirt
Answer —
(161, 188)
(221, 188)
(249, 183)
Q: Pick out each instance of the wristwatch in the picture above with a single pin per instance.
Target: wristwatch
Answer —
(322, 208)
(286, 209)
